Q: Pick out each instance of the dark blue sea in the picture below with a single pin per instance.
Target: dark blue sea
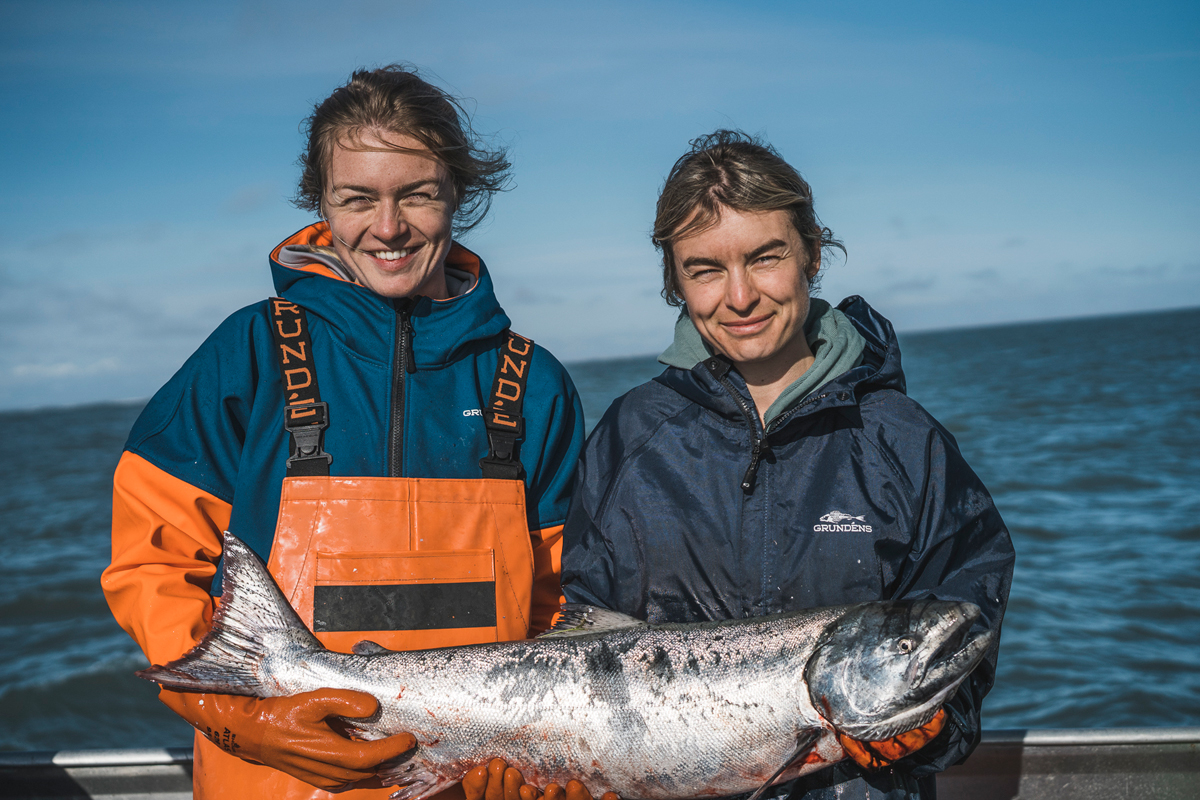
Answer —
(1086, 431)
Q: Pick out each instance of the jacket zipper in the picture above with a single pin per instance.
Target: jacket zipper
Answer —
(758, 444)
(784, 417)
(404, 364)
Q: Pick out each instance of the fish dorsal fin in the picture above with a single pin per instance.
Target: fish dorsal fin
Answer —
(577, 619)
(368, 648)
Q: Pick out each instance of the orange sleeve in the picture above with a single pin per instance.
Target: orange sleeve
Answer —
(547, 578)
(166, 540)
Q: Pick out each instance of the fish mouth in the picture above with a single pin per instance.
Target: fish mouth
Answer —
(948, 667)
(957, 654)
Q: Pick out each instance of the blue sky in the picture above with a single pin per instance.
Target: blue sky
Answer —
(983, 162)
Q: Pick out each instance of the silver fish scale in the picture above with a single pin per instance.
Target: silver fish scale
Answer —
(646, 712)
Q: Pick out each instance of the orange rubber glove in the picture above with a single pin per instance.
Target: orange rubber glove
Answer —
(496, 780)
(873, 755)
(291, 734)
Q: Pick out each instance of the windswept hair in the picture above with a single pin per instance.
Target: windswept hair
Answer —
(731, 169)
(395, 99)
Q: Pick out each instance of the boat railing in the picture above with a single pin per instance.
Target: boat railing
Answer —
(1066, 764)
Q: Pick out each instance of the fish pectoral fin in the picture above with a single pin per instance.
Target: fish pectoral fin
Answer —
(805, 742)
(578, 619)
(414, 781)
(368, 648)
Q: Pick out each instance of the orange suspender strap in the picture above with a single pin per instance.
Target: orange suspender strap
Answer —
(305, 417)
(505, 425)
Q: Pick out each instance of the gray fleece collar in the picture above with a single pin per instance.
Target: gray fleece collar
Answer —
(835, 342)
(297, 255)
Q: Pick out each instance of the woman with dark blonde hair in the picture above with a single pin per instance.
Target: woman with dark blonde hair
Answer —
(776, 463)
(377, 434)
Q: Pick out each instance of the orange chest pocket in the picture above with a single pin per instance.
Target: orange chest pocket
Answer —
(408, 563)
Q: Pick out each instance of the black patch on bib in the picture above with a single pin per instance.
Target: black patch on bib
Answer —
(404, 607)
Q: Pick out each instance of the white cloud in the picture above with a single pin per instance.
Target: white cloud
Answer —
(66, 369)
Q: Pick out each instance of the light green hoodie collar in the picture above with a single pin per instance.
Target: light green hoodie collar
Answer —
(835, 342)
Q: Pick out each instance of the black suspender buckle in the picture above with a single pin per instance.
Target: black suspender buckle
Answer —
(501, 469)
(307, 457)
(503, 434)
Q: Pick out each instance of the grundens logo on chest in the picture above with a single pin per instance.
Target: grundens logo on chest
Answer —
(840, 522)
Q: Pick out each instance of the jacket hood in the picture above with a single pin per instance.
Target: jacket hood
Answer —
(366, 321)
(865, 355)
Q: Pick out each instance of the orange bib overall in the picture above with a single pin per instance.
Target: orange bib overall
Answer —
(408, 563)
(453, 557)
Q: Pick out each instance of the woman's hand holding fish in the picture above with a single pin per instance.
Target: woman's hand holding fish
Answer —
(498, 781)
(873, 755)
(292, 733)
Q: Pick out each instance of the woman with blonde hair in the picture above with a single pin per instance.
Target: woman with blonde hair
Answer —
(376, 433)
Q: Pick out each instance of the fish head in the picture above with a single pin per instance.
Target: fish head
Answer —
(882, 669)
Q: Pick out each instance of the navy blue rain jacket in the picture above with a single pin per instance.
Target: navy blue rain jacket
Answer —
(858, 494)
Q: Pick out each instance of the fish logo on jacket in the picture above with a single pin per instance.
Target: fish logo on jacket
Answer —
(841, 522)
(837, 516)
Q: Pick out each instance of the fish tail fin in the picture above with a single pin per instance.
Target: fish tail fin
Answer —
(253, 619)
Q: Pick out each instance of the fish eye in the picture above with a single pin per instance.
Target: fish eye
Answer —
(906, 645)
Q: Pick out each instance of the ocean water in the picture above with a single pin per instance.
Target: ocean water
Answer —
(1087, 433)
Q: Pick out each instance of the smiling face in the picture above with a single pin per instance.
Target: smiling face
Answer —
(745, 282)
(391, 213)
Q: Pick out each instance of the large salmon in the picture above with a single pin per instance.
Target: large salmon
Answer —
(651, 712)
